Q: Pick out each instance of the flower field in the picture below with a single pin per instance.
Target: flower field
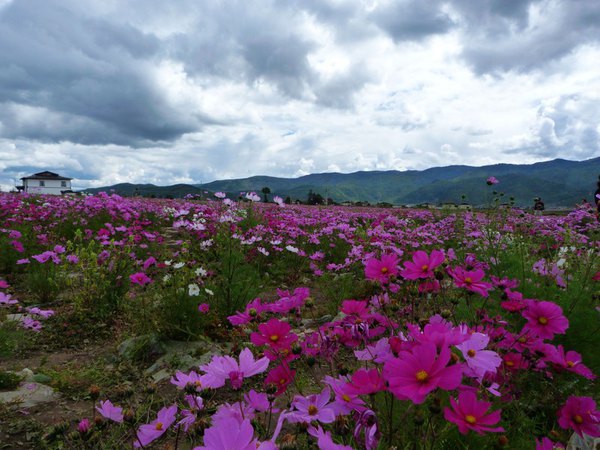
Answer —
(296, 327)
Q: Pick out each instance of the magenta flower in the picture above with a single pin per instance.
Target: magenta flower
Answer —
(415, 374)
(572, 362)
(84, 426)
(366, 382)
(324, 440)
(422, 266)
(382, 269)
(155, 429)
(227, 434)
(280, 377)
(471, 280)
(547, 444)
(313, 407)
(222, 368)
(275, 333)
(492, 180)
(580, 415)
(110, 412)
(471, 414)
(203, 308)
(479, 361)
(545, 319)
(345, 400)
(140, 278)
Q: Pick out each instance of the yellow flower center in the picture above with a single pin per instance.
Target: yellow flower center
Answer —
(509, 363)
(542, 321)
(159, 426)
(470, 419)
(282, 381)
(274, 338)
(198, 383)
(421, 376)
(346, 397)
(468, 280)
(424, 267)
(384, 270)
(570, 363)
(312, 410)
(471, 353)
(577, 419)
(522, 339)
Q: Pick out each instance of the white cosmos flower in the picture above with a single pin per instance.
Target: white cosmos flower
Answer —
(193, 290)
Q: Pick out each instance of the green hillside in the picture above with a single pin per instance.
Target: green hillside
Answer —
(558, 182)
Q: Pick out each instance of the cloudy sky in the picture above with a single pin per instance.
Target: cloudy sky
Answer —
(188, 91)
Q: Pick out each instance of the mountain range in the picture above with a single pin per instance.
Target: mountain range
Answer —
(558, 182)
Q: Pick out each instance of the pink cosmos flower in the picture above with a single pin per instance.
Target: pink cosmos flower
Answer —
(204, 308)
(31, 324)
(382, 269)
(6, 300)
(492, 180)
(195, 403)
(84, 426)
(470, 414)
(422, 266)
(280, 377)
(3, 284)
(572, 362)
(580, 415)
(479, 361)
(149, 262)
(110, 412)
(547, 444)
(228, 434)
(313, 407)
(252, 311)
(470, 280)
(415, 374)
(140, 278)
(514, 301)
(155, 429)
(183, 380)
(366, 382)
(222, 368)
(324, 440)
(545, 319)
(345, 400)
(380, 352)
(275, 333)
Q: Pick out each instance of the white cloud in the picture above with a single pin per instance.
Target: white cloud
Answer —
(186, 92)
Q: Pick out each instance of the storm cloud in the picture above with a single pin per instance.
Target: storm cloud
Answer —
(191, 91)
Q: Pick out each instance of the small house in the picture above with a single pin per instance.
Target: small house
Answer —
(46, 183)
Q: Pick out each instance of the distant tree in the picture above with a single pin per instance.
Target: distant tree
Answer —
(288, 200)
(314, 199)
(265, 192)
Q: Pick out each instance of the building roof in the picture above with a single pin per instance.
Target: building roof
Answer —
(45, 176)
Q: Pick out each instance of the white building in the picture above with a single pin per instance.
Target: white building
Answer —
(46, 183)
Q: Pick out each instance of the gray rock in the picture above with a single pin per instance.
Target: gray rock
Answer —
(141, 348)
(161, 375)
(29, 394)
(184, 356)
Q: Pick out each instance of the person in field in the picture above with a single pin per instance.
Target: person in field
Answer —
(538, 206)
(597, 199)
